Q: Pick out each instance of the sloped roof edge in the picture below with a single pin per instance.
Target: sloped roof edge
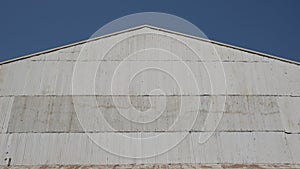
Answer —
(154, 28)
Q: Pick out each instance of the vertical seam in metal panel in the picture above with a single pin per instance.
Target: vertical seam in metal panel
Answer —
(192, 148)
(283, 119)
(42, 78)
(8, 114)
(56, 76)
(8, 147)
(29, 66)
(288, 147)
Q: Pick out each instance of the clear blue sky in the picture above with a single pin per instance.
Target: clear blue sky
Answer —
(269, 26)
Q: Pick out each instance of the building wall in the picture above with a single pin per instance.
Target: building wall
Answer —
(50, 103)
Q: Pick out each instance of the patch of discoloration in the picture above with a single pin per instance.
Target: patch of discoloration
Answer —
(33, 113)
(162, 166)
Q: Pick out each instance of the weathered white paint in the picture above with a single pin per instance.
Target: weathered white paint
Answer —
(55, 78)
(57, 113)
(224, 147)
(41, 123)
(5, 112)
(290, 113)
(3, 148)
(245, 74)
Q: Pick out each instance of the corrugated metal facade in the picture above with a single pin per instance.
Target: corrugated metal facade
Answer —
(39, 125)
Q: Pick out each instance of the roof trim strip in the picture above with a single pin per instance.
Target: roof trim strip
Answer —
(154, 28)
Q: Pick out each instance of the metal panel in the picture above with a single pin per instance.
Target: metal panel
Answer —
(48, 81)
(33, 79)
(225, 147)
(101, 46)
(5, 111)
(260, 122)
(290, 113)
(243, 77)
(6, 77)
(3, 148)
(292, 140)
(57, 113)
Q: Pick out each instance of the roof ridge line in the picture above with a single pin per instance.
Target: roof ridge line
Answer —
(72, 44)
(225, 45)
(154, 28)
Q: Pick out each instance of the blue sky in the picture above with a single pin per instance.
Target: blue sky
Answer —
(269, 26)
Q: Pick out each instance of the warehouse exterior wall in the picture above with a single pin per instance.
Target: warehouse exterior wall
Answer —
(260, 121)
